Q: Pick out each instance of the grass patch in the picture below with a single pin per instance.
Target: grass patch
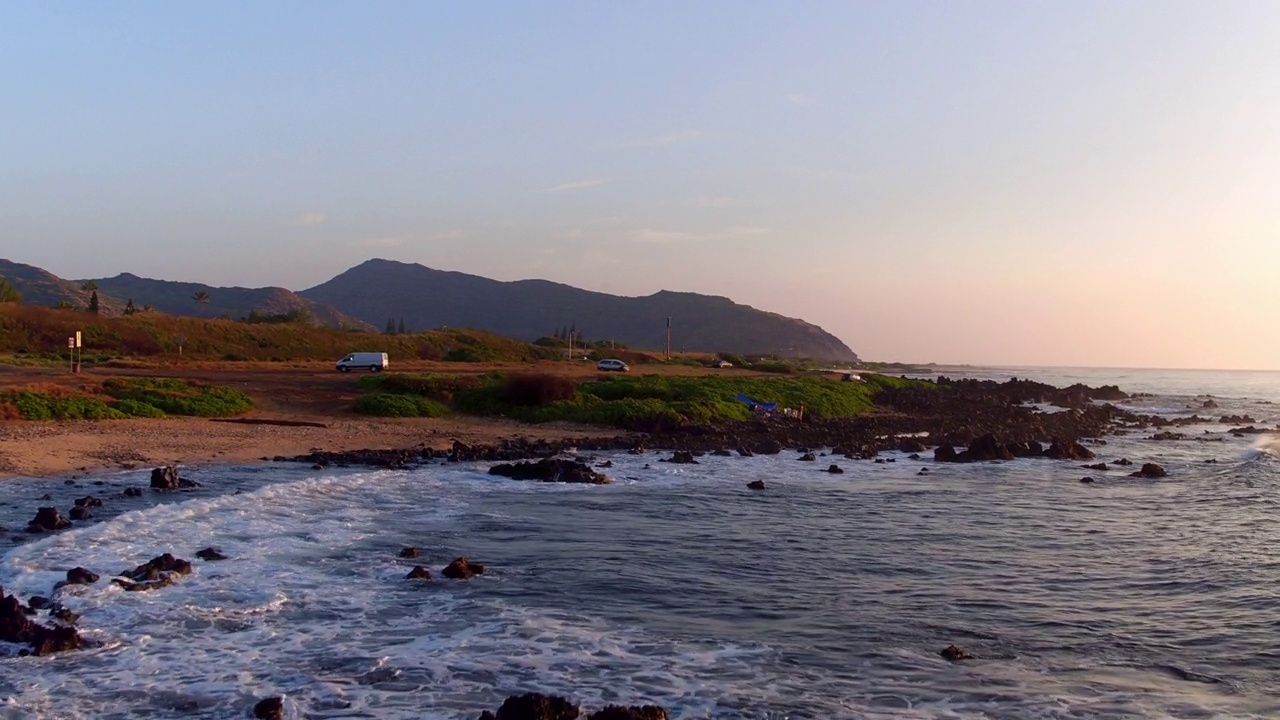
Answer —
(31, 405)
(399, 405)
(178, 397)
(646, 402)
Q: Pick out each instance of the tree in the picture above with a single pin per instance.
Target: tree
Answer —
(130, 308)
(9, 293)
(201, 298)
(400, 330)
(89, 286)
(391, 327)
(93, 302)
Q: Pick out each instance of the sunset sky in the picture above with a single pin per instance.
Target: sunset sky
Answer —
(1051, 183)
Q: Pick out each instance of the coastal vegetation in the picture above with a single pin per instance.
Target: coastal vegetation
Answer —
(636, 402)
(41, 333)
(118, 398)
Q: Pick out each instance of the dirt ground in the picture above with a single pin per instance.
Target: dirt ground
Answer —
(297, 392)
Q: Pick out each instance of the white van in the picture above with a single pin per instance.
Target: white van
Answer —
(374, 362)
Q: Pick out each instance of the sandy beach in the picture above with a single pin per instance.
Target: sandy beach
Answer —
(69, 448)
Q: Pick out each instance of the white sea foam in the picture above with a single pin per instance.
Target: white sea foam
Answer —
(312, 602)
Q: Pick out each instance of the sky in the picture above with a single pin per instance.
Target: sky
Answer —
(1025, 183)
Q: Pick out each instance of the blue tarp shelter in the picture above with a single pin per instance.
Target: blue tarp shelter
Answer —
(756, 404)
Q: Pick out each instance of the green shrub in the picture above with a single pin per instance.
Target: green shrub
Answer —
(136, 408)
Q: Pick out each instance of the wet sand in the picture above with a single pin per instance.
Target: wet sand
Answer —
(67, 448)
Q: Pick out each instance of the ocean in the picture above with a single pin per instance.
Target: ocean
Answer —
(823, 596)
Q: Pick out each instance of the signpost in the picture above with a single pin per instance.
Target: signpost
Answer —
(76, 352)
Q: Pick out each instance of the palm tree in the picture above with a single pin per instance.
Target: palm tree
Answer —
(201, 298)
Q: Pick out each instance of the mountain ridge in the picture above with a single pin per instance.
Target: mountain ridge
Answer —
(377, 290)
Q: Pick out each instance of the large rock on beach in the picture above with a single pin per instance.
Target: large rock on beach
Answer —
(682, 457)
(551, 470)
(461, 569)
(767, 446)
(167, 478)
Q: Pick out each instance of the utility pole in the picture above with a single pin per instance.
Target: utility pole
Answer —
(668, 337)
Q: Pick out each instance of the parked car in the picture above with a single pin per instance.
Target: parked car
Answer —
(371, 361)
(721, 364)
(610, 365)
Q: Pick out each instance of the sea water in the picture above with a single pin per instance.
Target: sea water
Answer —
(823, 596)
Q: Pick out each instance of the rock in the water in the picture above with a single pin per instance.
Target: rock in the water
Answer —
(835, 470)
(756, 485)
(133, 492)
(807, 457)
(954, 653)
(635, 712)
(88, 501)
(271, 708)
(1102, 467)
(419, 573)
(721, 452)
(1068, 451)
(167, 478)
(1086, 480)
(158, 572)
(81, 576)
(461, 569)
(744, 452)
(17, 627)
(47, 519)
(210, 554)
(1124, 461)
(536, 706)
(80, 512)
(1149, 470)
(682, 457)
(551, 470)
(409, 552)
(38, 602)
(606, 464)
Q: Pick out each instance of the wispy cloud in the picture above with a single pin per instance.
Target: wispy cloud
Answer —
(802, 100)
(578, 185)
(661, 140)
(391, 241)
(716, 202)
(650, 235)
(311, 218)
